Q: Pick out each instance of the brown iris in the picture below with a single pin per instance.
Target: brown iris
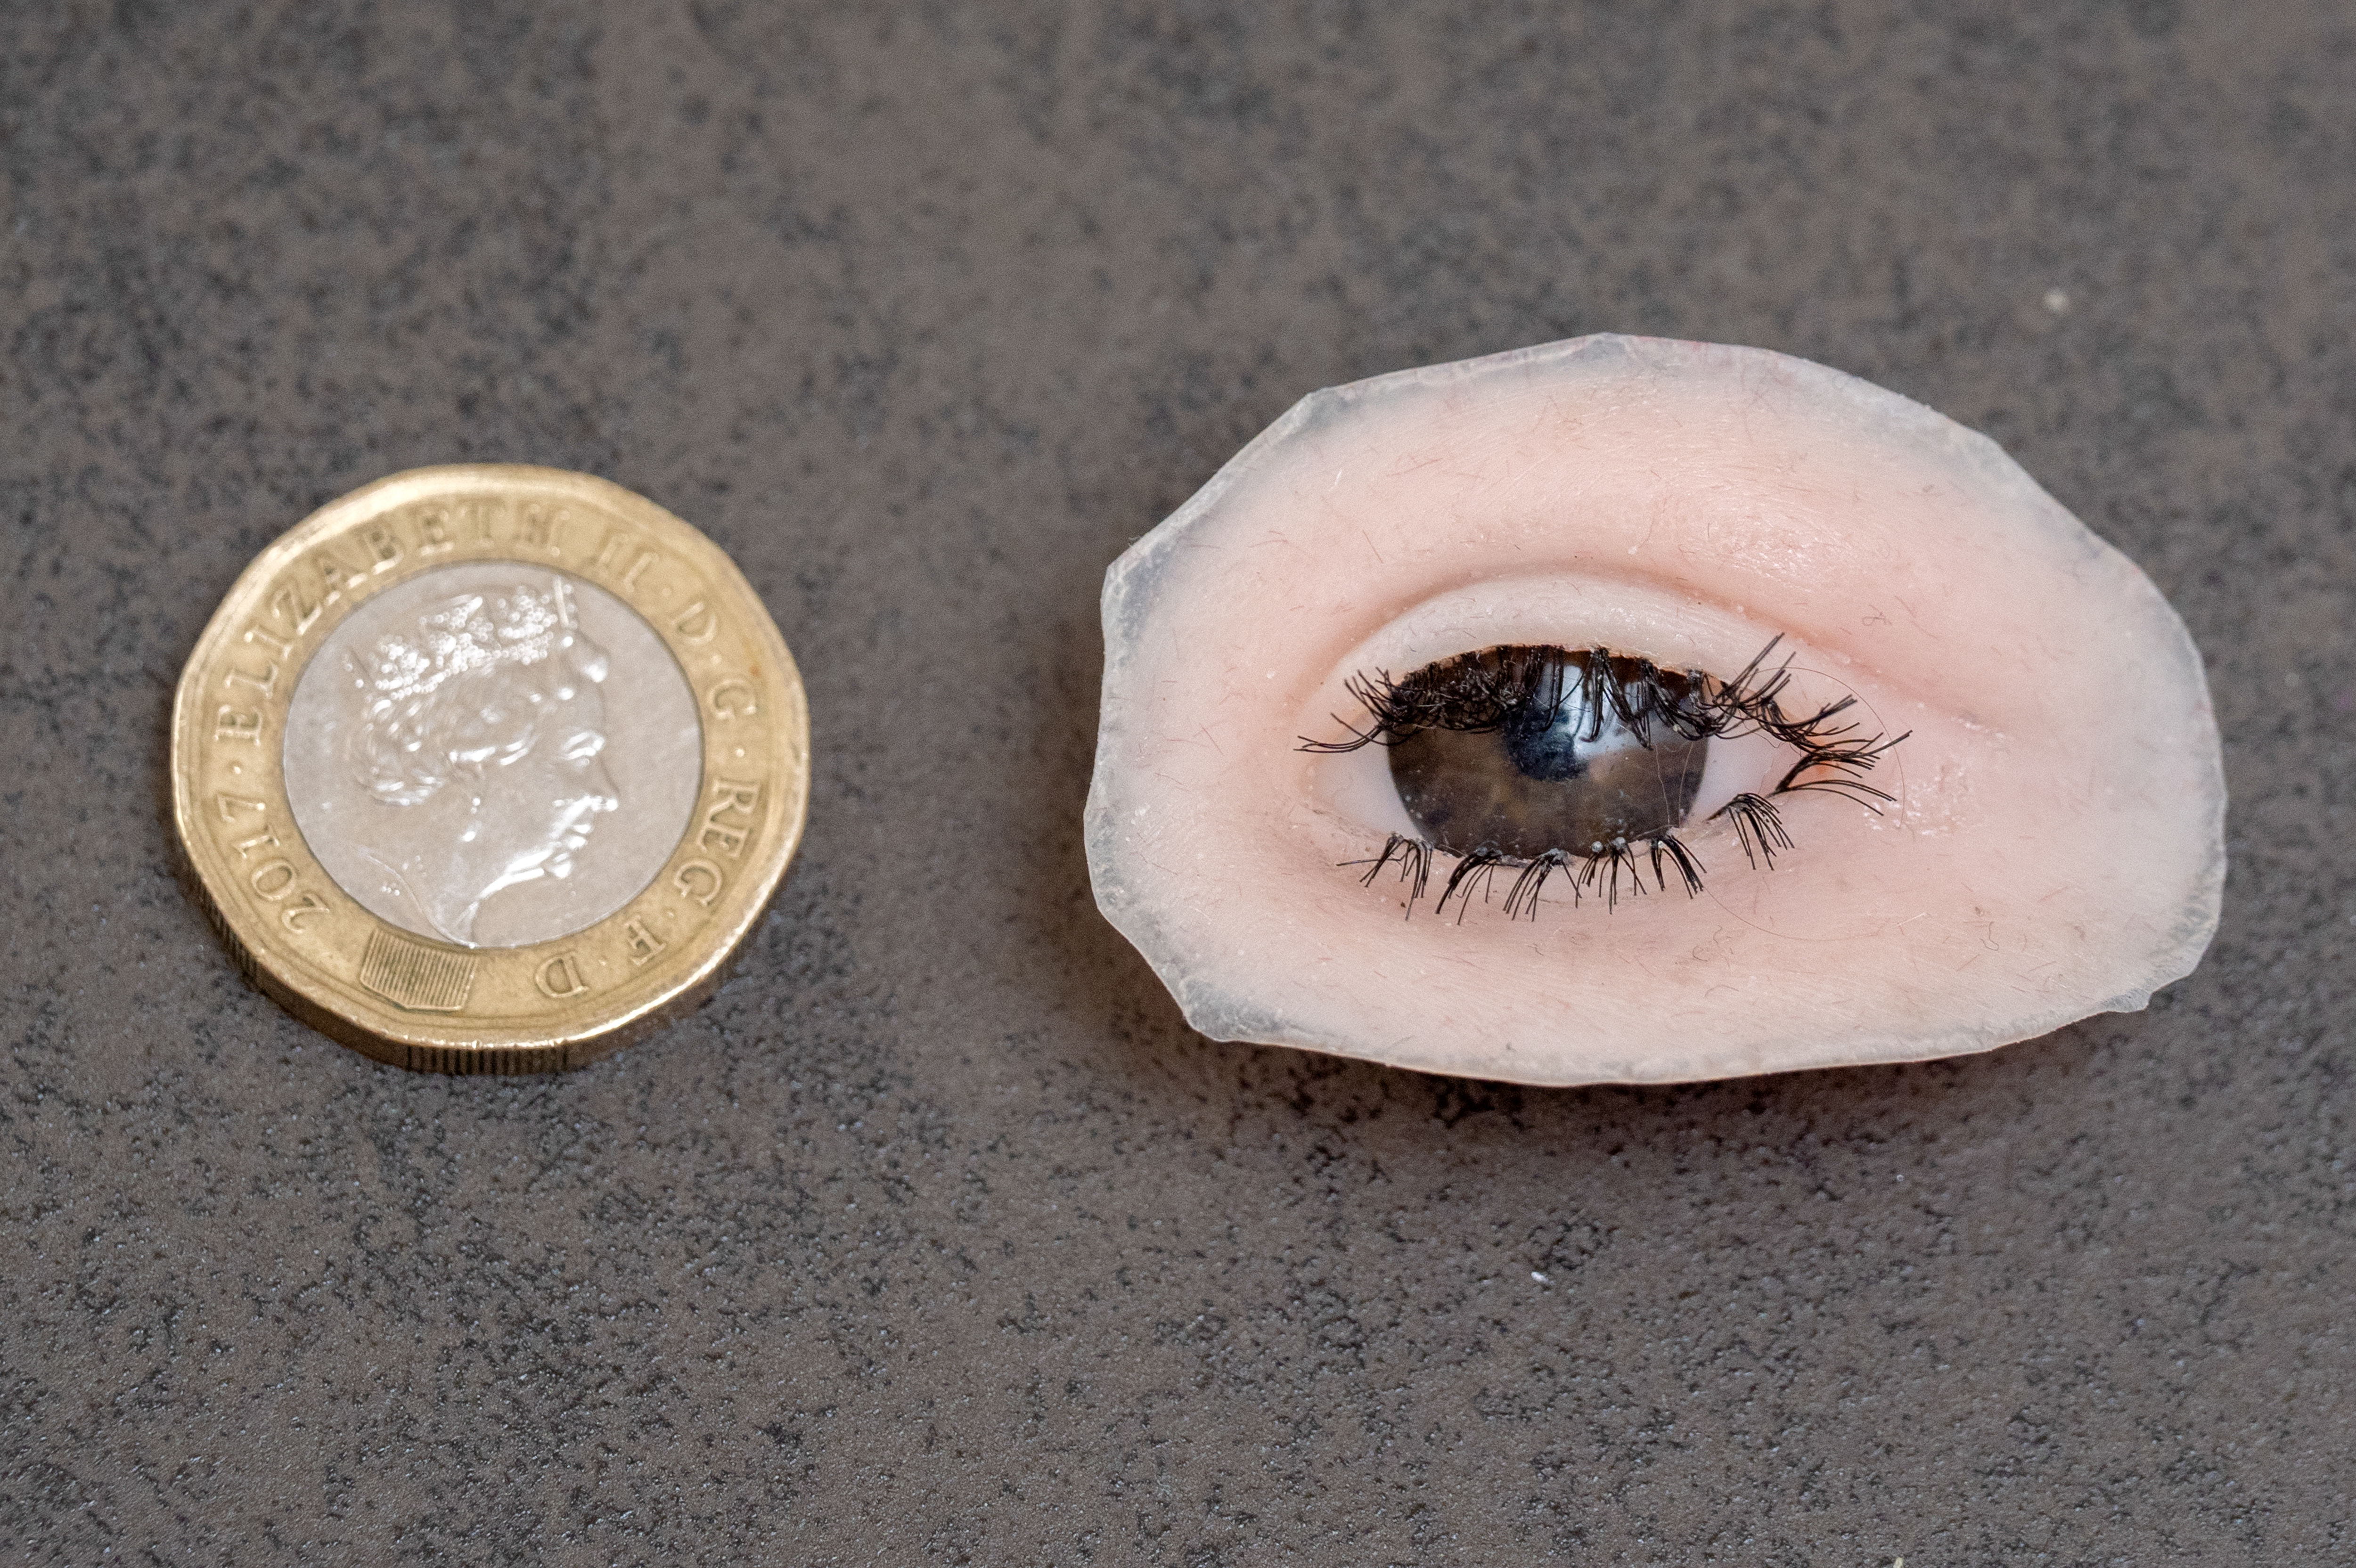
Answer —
(1561, 767)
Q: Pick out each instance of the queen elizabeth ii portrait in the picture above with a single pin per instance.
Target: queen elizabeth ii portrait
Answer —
(479, 736)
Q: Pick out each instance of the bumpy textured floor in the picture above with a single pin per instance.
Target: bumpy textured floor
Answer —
(935, 1237)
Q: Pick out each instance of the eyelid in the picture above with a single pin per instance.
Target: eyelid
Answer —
(1568, 610)
(1699, 523)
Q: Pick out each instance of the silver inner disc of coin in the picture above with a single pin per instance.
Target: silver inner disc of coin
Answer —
(493, 755)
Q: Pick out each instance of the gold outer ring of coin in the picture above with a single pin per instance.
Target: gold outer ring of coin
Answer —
(434, 1006)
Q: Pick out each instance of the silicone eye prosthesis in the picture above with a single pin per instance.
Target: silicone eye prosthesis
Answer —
(1621, 710)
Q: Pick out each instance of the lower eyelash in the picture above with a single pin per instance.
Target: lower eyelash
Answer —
(1758, 826)
(1640, 695)
(1596, 874)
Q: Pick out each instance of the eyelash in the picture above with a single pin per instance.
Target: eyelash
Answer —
(1486, 690)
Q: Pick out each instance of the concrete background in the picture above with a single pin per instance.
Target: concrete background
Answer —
(935, 1237)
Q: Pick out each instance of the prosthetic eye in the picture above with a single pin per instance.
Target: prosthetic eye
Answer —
(1627, 711)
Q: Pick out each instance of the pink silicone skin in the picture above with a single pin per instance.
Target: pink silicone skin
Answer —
(2056, 844)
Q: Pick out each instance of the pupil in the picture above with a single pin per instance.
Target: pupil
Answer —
(1547, 747)
(1558, 773)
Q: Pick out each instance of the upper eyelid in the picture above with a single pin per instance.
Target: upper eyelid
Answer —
(1574, 610)
(1831, 578)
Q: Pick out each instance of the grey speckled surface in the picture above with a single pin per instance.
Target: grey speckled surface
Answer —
(935, 1237)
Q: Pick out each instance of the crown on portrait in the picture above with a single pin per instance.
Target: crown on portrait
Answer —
(519, 625)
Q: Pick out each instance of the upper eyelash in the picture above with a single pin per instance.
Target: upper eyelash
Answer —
(1475, 696)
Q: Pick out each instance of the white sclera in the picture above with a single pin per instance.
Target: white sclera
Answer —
(2056, 848)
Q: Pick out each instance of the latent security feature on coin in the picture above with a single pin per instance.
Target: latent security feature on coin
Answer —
(487, 768)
